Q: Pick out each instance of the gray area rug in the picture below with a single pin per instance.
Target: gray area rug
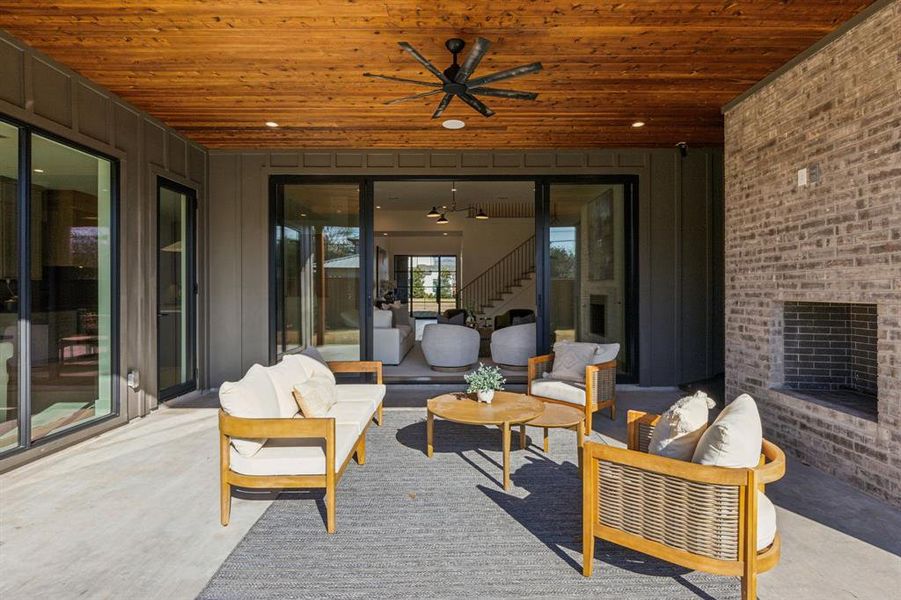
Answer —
(413, 527)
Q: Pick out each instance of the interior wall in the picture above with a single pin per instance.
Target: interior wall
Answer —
(680, 290)
(38, 91)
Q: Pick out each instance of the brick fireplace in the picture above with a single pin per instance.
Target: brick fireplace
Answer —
(813, 259)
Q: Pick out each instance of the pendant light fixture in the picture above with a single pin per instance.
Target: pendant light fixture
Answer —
(481, 215)
(433, 214)
(442, 220)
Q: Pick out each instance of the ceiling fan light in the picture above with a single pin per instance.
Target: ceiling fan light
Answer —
(453, 124)
(481, 215)
(442, 220)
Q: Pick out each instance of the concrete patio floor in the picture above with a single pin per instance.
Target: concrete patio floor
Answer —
(134, 513)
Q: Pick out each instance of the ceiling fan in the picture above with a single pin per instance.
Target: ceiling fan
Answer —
(455, 80)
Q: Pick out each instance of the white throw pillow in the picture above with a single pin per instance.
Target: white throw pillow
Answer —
(382, 319)
(680, 427)
(285, 375)
(253, 397)
(735, 437)
(312, 366)
(570, 360)
(315, 397)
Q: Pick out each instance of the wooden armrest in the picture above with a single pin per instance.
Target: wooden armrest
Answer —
(357, 366)
(669, 467)
(773, 463)
(534, 362)
(634, 420)
(276, 428)
(610, 364)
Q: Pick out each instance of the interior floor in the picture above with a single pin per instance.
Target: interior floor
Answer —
(414, 369)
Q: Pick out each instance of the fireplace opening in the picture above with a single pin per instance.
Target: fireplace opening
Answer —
(597, 315)
(829, 354)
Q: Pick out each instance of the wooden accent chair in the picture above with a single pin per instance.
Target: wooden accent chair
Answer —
(599, 388)
(697, 516)
(338, 440)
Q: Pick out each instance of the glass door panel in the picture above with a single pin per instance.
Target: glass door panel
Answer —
(317, 269)
(588, 265)
(175, 290)
(71, 287)
(9, 297)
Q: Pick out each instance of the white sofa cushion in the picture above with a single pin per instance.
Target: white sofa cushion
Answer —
(373, 393)
(252, 397)
(735, 437)
(766, 521)
(680, 427)
(382, 319)
(315, 397)
(559, 390)
(357, 414)
(312, 366)
(284, 376)
(303, 456)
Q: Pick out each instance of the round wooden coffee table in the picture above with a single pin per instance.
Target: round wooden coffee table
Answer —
(557, 416)
(507, 409)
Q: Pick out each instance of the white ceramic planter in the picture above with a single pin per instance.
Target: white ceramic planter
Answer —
(485, 396)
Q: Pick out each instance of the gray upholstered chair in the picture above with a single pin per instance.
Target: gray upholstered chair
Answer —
(513, 346)
(450, 347)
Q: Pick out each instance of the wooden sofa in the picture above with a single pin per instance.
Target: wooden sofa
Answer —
(599, 388)
(297, 452)
(697, 516)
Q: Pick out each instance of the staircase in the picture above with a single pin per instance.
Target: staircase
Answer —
(500, 279)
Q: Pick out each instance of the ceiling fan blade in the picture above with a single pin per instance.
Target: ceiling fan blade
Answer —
(472, 59)
(442, 105)
(476, 104)
(414, 96)
(516, 95)
(423, 61)
(402, 80)
(507, 74)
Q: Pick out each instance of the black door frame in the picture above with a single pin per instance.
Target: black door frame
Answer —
(191, 243)
(541, 182)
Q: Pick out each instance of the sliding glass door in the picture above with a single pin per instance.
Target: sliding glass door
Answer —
(176, 289)
(317, 269)
(57, 287)
(590, 266)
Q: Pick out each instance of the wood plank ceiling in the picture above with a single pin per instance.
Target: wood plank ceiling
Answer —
(217, 70)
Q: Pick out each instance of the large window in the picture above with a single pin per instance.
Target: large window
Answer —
(431, 283)
(65, 302)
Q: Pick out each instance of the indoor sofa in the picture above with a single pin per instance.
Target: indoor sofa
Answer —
(265, 442)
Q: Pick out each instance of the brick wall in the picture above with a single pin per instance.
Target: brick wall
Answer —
(838, 240)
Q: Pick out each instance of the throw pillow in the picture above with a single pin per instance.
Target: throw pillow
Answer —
(283, 376)
(735, 437)
(315, 397)
(680, 427)
(401, 315)
(382, 319)
(314, 363)
(570, 360)
(253, 397)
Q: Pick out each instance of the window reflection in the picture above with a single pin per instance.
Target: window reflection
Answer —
(9, 283)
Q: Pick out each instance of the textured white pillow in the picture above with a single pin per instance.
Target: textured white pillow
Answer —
(680, 427)
(312, 366)
(315, 397)
(253, 397)
(570, 360)
(382, 319)
(285, 375)
(734, 439)
(605, 353)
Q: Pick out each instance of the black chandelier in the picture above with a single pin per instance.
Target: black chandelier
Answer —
(441, 217)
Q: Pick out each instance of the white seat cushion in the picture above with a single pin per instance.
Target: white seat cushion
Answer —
(766, 521)
(735, 437)
(362, 392)
(285, 375)
(680, 427)
(295, 456)
(357, 414)
(253, 397)
(559, 390)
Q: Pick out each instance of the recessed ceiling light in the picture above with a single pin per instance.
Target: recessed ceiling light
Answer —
(386, 233)
(453, 124)
(272, 124)
(377, 206)
(638, 124)
(444, 207)
(303, 214)
(39, 170)
(445, 233)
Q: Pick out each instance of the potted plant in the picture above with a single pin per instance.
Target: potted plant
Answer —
(484, 381)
